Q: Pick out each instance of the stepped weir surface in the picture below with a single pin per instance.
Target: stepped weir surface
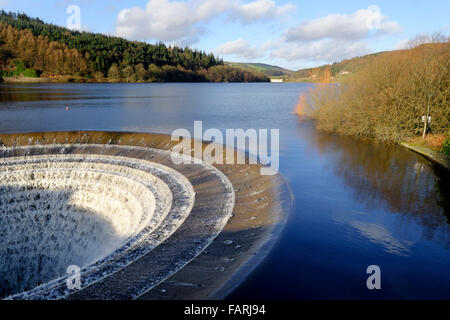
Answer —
(137, 225)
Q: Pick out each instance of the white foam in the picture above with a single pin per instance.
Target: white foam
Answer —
(118, 207)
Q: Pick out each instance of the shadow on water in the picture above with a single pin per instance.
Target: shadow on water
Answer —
(43, 233)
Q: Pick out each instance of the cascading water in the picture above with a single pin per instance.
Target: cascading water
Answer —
(63, 209)
(57, 214)
(117, 206)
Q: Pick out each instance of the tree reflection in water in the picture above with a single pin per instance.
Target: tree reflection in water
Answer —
(388, 177)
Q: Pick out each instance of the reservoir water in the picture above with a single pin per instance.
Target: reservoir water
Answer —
(356, 203)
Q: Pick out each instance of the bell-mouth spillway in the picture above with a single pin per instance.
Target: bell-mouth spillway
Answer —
(137, 225)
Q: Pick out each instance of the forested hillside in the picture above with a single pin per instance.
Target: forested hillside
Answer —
(348, 68)
(31, 47)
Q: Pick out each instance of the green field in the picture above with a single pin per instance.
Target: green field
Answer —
(269, 70)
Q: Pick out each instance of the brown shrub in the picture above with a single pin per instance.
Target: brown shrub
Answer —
(388, 98)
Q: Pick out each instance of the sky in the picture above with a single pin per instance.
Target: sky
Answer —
(293, 34)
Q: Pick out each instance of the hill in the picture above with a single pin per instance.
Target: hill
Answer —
(268, 70)
(31, 47)
(387, 96)
(348, 68)
(339, 70)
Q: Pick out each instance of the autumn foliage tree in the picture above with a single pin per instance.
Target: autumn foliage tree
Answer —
(101, 51)
(40, 53)
(387, 99)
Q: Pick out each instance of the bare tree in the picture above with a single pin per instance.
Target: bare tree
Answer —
(423, 38)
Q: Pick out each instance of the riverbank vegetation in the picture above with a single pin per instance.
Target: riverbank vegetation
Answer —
(31, 48)
(446, 146)
(390, 98)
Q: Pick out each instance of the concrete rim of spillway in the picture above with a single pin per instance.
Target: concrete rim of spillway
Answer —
(221, 222)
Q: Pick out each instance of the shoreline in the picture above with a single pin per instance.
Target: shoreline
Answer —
(438, 158)
(74, 79)
(442, 160)
(25, 80)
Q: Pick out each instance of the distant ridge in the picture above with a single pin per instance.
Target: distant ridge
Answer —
(267, 69)
(338, 70)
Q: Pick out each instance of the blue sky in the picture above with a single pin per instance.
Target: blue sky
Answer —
(293, 34)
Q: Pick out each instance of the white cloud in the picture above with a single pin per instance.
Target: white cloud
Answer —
(320, 51)
(261, 10)
(161, 19)
(355, 26)
(315, 52)
(239, 48)
(334, 37)
(172, 20)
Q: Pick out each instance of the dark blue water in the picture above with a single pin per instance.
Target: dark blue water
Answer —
(356, 203)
